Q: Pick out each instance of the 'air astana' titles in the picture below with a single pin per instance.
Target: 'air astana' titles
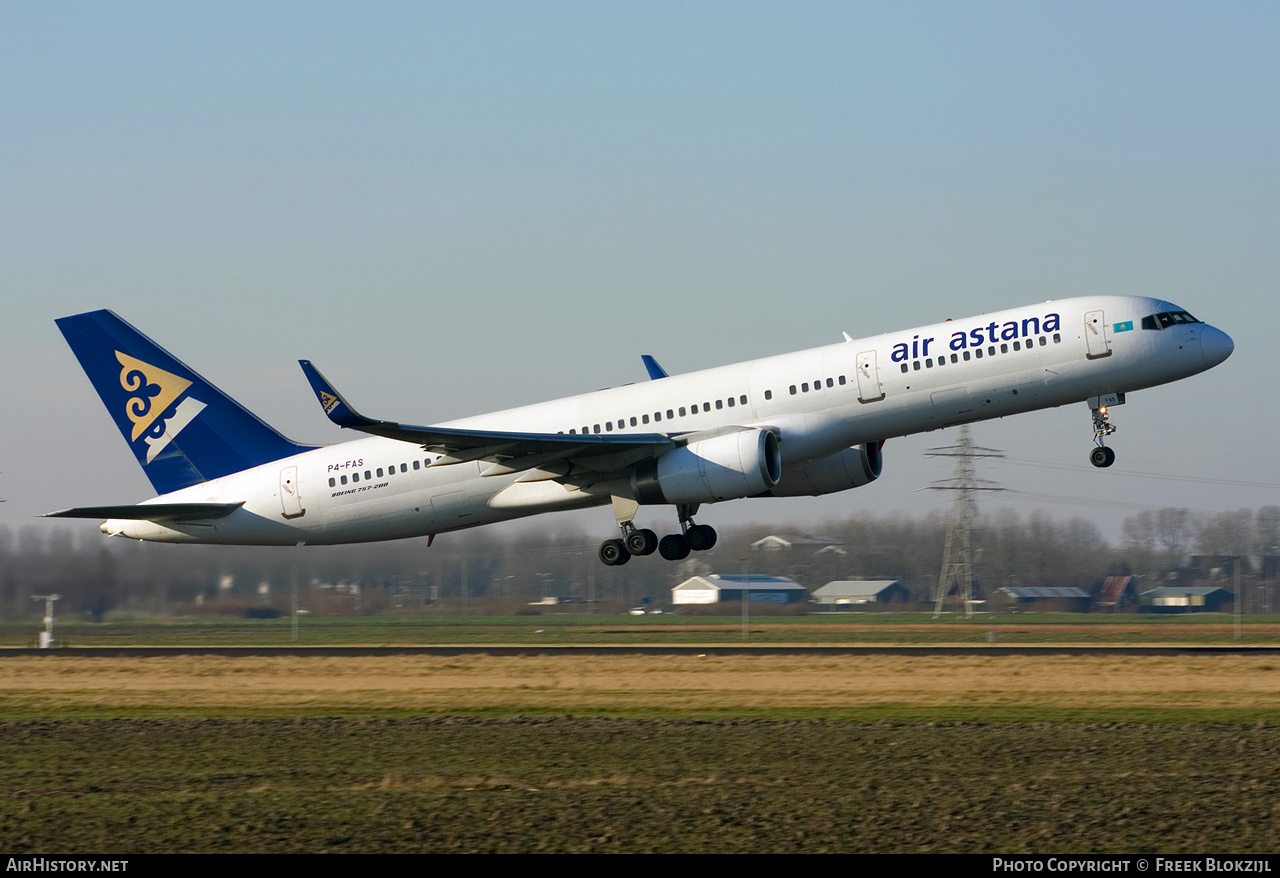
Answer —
(978, 336)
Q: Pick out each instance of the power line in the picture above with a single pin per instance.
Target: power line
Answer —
(1168, 477)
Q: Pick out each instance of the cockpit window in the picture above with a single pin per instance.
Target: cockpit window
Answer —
(1166, 319)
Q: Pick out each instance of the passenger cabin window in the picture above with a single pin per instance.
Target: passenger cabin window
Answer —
(768, 394)
(333, 483)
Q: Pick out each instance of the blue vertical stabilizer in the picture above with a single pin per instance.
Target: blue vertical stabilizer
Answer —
(182, 429)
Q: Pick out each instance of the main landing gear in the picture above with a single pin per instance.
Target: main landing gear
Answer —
(673, 547)
(1101, 455)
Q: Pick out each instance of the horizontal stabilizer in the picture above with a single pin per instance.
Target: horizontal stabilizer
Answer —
(152, 511)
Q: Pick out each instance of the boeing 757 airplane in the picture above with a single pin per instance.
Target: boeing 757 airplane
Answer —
(802, 424)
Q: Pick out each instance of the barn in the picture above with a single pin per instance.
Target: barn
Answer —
(853, 592)
(759, 588)
(1043, 599)
(1175, 599)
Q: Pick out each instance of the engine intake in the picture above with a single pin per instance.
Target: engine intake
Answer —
(744, 463)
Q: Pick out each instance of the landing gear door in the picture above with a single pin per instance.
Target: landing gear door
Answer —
(1095, 334)
(869, 389)
(290, 496)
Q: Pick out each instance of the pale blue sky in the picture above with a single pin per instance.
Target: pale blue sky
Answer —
(454, 208)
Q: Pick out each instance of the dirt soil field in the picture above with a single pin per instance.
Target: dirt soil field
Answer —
(1214, 687)
(640, 753)
(618, 785)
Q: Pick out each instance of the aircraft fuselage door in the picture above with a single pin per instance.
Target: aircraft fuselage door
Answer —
(290, 496)
(869, 389)
(1095, 334)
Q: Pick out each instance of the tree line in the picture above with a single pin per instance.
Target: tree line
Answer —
(495, 570)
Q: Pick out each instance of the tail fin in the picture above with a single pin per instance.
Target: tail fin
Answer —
(182, 429)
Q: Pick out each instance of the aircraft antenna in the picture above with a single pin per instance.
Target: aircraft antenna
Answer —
(957, 556)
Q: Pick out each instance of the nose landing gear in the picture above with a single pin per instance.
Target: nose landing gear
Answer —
(1101, 455)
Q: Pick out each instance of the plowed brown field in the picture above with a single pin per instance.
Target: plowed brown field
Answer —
(630, 754)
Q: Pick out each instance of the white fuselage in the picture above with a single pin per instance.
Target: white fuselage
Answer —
(819, 402)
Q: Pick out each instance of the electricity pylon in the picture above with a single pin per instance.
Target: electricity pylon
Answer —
(957, 557)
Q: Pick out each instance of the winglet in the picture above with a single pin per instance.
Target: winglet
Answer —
(655, 371)
(335, 406)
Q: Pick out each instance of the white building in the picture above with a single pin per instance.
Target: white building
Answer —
(760, 589)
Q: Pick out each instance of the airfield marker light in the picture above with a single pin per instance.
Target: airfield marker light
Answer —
(46, 636)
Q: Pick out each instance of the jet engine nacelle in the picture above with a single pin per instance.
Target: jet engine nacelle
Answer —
(851, 468)
(744, 463)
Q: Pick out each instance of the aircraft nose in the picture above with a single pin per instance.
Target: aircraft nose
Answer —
(1216, 346)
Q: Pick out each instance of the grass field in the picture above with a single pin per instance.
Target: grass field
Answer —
(565, 628)
(735, 753)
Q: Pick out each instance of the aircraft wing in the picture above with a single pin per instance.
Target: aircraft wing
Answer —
(512, 451)
(152, 511)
